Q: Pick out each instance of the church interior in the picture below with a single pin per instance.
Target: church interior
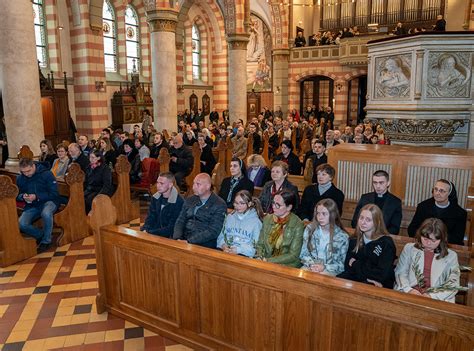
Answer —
(340, 72)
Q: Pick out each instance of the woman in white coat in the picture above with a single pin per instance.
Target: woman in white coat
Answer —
(427, 267)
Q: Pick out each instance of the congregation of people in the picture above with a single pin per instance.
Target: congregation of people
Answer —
(275, 226)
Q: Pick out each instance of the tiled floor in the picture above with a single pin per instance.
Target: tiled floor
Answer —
(48, 303)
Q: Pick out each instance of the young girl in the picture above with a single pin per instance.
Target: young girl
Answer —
(242, 227)
(427, 267)
(371, 252)
(324, 240)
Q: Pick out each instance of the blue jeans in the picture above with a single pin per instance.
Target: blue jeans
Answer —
(30, 215)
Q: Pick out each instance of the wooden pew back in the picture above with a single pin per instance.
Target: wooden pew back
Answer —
(13, 246)
(212, 300)
(219, 171)
(413, 171)
(196, 150)
(127, 209)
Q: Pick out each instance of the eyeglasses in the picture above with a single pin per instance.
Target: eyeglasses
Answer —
(439, 190)
(276, 205)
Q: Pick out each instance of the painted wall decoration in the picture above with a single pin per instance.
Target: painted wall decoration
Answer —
(449, 74)
(259, 56)
(392, 77)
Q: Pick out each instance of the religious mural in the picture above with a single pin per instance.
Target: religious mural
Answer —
(449, 74)
(259, 56)
(392, 77)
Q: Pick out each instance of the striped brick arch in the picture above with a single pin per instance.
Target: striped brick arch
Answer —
(209, 18)
(279, 25)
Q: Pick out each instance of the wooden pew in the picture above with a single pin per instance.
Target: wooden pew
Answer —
(72, 219)
(127, 209)
(219, 171)
(413, 171)
(13, 246)
(211, 300)
(306, 179)
(249, 146)
(196, 150)
(228, 155)
(265, 148)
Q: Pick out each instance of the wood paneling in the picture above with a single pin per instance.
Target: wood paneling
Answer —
(226, 302)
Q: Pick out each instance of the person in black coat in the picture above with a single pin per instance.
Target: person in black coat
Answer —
(77, 156)
(324, 189)
(257, 139)
(390, 205)
(158, 143)
(98, 179)
(208, 161)
(181, 162)
(165, 207)
(48, 155)
(134, 158)
(238, 181)
(287, 156)
(371, 252)
(443, 205)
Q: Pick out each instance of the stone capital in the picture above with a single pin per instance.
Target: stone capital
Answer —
(237, 41)
(281, 55)
(162, 20)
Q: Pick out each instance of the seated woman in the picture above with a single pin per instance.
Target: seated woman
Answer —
(371, 252)
(60, 164)
(257, 170)
(427, 267)
(325, 189)
(443, 205)
(325, 242)
(134, 158)
(237, 181)
(287, 156)
(279, 182)
(282, 232)
(47, 153)
(98, 179)
(208, 160)
(107, 150)
(242, 226)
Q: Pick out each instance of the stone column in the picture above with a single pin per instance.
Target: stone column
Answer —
(19, 79)
(238, 76)
(163, 66)
(280, 79)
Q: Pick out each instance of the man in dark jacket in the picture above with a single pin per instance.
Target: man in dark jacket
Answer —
(202, 216)
(257, 139)
(39, 190)
(165, 207)
(182, 160)
(390, 205)
(78, 156)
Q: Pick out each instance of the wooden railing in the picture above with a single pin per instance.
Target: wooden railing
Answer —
(211, 300)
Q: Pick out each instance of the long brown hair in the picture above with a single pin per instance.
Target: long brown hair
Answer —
(334, 220)
(379, 225)
(436, 227)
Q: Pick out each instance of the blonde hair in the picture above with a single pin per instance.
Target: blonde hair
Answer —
(379, 225)
(256, 159)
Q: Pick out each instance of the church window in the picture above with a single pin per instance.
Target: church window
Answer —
(40, 32)
(132, 39)
(196, 52)
(110, 37)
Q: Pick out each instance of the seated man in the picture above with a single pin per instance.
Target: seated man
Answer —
(165, 207)
(202, 215)
(78, 156)
(390, 205)
(181, 161)
(38, 188)
(319, 157)
(443, 205)
(240, 144)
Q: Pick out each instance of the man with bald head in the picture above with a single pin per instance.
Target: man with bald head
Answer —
(202, 215)
(181, 161)
(78, 156)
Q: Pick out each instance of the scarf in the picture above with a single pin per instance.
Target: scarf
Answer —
(323, 188)
(275, 237)
(233, 184)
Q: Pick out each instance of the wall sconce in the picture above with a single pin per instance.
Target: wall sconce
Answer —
(180, 88)
(278, 89)
(99, 86)
(339, 87)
